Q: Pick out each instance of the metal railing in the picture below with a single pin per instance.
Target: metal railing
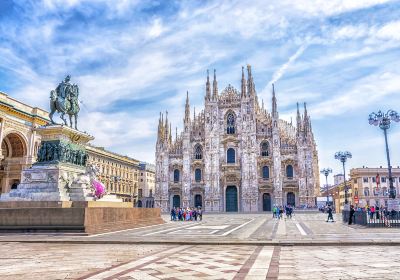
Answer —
(376, 219)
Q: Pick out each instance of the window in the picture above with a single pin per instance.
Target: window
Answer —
(376, 191)
(140, 193)
(198, 153)
(176, 175)
(265, 172)
(373, 179)
(197, 175)
(289, 171)
(385, 191)
(264, 149)
(365, 179)
(383, 179)
(151, 193)
(230, 124)
(230, 155)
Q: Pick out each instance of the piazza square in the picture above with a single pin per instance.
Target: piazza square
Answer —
(199, 139)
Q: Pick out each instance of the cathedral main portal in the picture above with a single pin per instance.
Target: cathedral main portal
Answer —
(231, 199)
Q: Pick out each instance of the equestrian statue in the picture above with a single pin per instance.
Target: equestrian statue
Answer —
(64, 100)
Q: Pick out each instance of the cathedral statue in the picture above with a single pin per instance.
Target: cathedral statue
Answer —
(64, 100)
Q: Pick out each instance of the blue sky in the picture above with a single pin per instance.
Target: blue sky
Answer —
(133, 59)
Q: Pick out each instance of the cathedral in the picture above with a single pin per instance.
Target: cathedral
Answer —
(235, 155)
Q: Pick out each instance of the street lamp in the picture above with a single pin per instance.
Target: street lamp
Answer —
(326, 172)
(343, 156)
(384, 120)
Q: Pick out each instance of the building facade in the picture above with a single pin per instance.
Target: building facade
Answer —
(119, 174)
(19, 140)
(235, 155)
(147, 183)
(371, 185)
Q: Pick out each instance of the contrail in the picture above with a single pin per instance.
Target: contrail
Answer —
(279, 73)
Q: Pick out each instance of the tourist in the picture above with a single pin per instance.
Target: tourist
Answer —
(200, 213)
(173, 214)
(377, 212)
(330, 215)
(351, 214)
(372, 212)
(274, 212)
(280, 212)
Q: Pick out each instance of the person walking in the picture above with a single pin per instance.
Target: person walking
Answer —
(330, 215)
(351, 214)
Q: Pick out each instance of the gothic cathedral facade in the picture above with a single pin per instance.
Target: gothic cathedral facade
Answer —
(235, 156)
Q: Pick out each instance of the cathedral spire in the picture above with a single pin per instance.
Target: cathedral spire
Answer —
(274, 106)
(243, 83)
(176, 134)
(170, 133)
(215, 87)
(194, 113)
(298, 120)
(306, 123)
(166, 135)
(250, 83)
(208, 90)
(187, 109)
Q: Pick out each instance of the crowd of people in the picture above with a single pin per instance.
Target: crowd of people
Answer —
(188, 214)
(278, 211)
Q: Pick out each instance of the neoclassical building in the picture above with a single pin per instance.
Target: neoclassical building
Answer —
(236, 156)
(19, 140)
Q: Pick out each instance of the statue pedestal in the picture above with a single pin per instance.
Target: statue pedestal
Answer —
(59, 174)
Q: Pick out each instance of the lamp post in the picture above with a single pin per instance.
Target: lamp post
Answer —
(343, 156)
(384, 120)
(326, 172)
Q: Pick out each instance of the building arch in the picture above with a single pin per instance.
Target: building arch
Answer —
(176, 175)
(14, 144)
(230, 155)
(265, 172)
(289, 171)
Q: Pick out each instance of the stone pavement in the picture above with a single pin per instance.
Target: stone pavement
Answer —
(149, 262)
(255, 229)
(222, 246)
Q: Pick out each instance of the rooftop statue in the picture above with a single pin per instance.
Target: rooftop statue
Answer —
(64, 100)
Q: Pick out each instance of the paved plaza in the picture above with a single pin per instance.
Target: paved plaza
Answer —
(222, 246)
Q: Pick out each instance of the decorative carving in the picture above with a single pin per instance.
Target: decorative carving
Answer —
(60, 151)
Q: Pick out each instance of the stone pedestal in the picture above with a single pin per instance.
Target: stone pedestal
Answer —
(58, 175)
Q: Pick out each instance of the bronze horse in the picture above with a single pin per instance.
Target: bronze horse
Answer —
(68, 105)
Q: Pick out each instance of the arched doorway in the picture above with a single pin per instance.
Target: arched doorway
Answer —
(176, 201)
(231, 199)
(266, 202)
(14, 149)
(198, 201)
(291, 199)
(139, 204)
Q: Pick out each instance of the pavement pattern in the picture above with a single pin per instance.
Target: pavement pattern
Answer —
(149, 262)
(222, 246)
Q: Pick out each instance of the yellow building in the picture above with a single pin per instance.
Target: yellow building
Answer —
(19, 141)
(118, 173)
(147, 184)
(338, 194)
(370, 191)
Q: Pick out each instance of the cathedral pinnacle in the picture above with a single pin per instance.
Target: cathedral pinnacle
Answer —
(208, 90)
(187, 108)
(250, 83)
(215, 87)
(274, 106)
(243, 83)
